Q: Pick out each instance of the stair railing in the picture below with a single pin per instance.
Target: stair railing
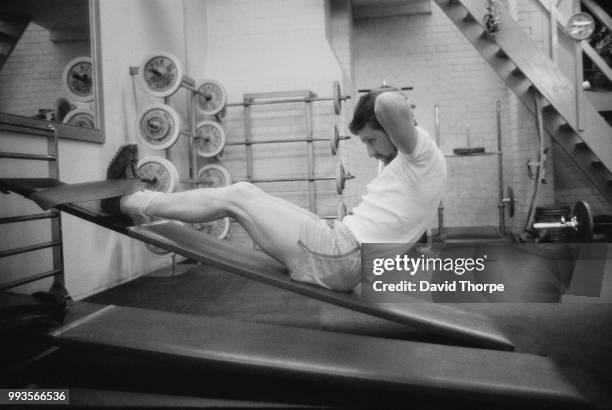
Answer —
(557, 19)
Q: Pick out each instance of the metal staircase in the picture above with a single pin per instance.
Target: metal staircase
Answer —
(11, 30)
(526, 70)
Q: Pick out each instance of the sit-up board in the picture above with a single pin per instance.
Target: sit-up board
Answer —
(451, 323)
(413, 369)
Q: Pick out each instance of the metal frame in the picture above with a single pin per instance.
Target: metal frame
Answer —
(301, 96)
(56, 244)
(500, 171)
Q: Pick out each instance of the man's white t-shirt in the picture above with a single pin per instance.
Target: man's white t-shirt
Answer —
(401, 201)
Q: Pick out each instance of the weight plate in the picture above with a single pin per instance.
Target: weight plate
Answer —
(161, 170)
(334, 141)
(511, 201)
(336, 97)
(210, 139)
(80, 118)
(340, 211)
(214, 98)
(219, 228)
(161, 74)
(77, 79)
(159, 126)
(584, 231)
(214, 176)
(340, 178)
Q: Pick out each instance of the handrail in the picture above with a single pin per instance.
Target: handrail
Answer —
(599, 13)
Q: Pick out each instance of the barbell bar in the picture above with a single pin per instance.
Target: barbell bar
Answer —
(212, 98)
(211, 139)
(334, 141)
(340, 177)
(580, 221)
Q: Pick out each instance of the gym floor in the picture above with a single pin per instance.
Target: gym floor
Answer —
(575, 336)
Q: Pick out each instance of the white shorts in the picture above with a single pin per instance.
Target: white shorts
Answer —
(332, 255)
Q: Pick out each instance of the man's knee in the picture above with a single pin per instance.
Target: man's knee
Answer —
(244, 190)
(241, 196)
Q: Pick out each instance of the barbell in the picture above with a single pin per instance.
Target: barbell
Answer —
(211, 139)
(160, 126)
(340, 177)
(580, 222)
(162, 75)
(212, 98)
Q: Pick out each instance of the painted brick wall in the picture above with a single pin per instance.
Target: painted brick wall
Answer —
(265, 46)
(430, 54)
(31, 77)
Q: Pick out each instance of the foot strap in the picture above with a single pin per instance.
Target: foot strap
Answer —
(86, 191)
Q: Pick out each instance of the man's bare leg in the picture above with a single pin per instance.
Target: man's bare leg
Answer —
(273, 223)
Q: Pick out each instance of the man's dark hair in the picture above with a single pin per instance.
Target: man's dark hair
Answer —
(364, 113)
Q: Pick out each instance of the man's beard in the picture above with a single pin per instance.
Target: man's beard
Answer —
(386, 159)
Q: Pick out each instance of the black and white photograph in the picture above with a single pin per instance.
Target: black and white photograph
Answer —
(313, 204)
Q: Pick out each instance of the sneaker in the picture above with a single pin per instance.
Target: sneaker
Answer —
(122, 166)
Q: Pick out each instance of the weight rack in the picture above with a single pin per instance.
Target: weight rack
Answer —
(56, 244)
(305, 97)
(503, 201)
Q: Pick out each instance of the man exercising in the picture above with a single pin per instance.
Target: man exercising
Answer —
(396, 208)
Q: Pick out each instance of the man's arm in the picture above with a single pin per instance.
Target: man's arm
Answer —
(394, 114)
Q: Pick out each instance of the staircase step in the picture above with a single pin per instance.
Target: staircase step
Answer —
(517, 72)
(501, 53)
(469, 18)
(510, 48)
(582, 146)
(601, 100)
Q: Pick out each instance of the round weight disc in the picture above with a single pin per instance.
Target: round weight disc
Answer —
(214, 176)
(80, 118)
(340, 178)
(159, 126)
(161, 74)
(219, 228)
(580, 26)
(341, 210)
(511, 201)
(336, 97)
(161, 170)
(77, 79)
(210, 139)
(334, 141)
(214, 98)
(582, 212)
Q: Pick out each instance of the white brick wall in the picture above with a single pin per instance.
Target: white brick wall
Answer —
(265, 46)
(31, 78)
(430, 54)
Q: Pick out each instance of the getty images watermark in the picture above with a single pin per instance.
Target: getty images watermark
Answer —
(480, 272)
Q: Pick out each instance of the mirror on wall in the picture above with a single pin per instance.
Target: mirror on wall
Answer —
(49, 73)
